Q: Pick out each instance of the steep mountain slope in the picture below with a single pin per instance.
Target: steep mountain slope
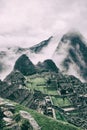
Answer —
(39, 52)
(67, 94)
(13, 88)
(24, 65)
(47, 66)
(71, 55)
(39, 47)
(13, 116)
(54, 94)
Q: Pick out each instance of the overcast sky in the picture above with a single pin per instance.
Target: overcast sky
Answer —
(26, 22)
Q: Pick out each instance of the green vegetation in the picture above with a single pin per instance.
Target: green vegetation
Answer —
(59, 116)
(47, 123)
(38, 81)
(26, 125)
(2, 123)
(24, 65)
(60, 101)
(23, 123)
(40, 84)
(51, 90)
(17, 117)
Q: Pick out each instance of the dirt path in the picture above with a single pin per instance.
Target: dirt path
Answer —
(32, 121)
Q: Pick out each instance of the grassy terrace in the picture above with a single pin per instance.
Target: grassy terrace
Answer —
(40, 84)
(47, 123)
(59, 116)
(60, 101)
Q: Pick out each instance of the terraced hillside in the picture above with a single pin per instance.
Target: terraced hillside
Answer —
(65, 97)
(52, 94)
(14, 116)
(14, 88)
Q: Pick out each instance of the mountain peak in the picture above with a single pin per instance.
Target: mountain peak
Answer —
(24, 65)
(75, 37)
(73, 34)
(71, 55)
(47, 66)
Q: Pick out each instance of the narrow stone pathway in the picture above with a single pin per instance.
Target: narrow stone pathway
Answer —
(32, 121)
(54, 115)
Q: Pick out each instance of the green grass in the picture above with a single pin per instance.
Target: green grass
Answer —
(34, 82)
(38, 81)
(51, 90)
(60, 101)
(40, 84)
(47, 123)
(59, 116)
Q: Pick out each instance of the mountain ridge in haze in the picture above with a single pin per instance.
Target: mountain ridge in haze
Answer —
(38, 47)
(9, 55)
(71, 55)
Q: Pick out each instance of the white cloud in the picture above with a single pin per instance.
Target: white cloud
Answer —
(30, 21)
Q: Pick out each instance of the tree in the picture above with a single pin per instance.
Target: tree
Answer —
(26, 125)
(2, 123)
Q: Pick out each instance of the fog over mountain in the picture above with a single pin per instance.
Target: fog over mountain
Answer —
(43, 64)
(71, 55)
(9, 55)
(27, 22)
